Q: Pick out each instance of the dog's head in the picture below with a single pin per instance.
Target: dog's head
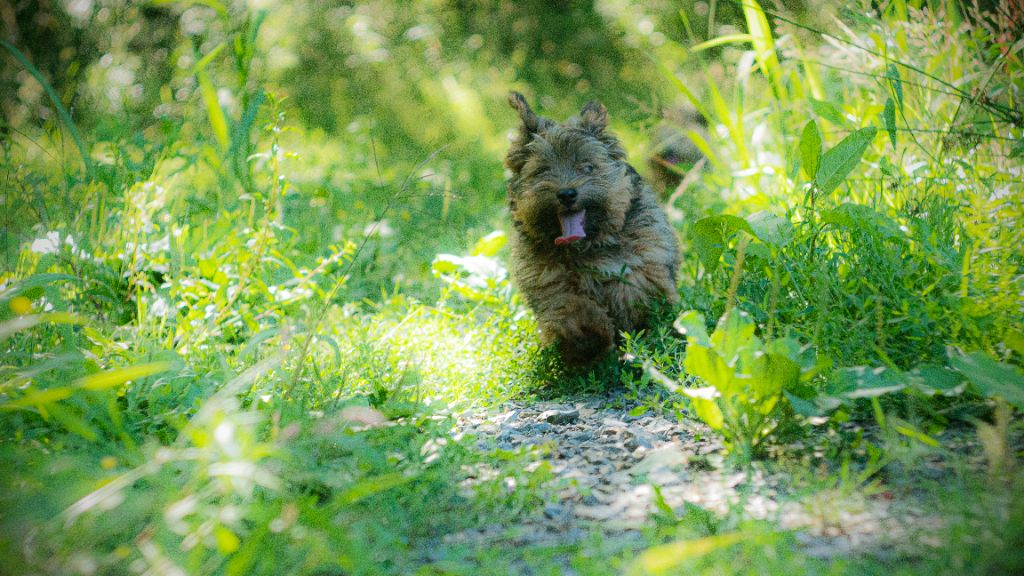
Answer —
(570, 183)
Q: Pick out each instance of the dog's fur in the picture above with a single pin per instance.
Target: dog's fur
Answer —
(587, 286)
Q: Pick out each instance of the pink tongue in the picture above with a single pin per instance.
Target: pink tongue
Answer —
(572, 228)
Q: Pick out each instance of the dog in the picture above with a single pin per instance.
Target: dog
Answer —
(592, 251)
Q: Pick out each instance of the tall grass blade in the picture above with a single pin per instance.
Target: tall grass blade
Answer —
(57, 104)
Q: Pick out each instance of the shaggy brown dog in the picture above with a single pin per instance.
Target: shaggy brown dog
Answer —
(592, 251)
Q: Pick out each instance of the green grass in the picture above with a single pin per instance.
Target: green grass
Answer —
(242, 305)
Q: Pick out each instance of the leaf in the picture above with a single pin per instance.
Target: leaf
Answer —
(889, 117)
(446, 264)
(490, 244)
(888, 168)
(111, 378)
(771, 229)
(707, 365)
(828, 111)
(764, 46)
(707, 410)
(860, 218)
(373, 485)
(20, 323)
(992, 378)
(865, 382)
(227, 541)
(932, 379)
(709, 235)
(805, 408)
(721, 40)
(72, 422)
(913, 433)
(893, 74)
(1018, 149)
(40, 398)
(837, 163)
(810, 148)
(666, 558)
(209, 93)
(1014, 340)
(218, 123)
(39, 280)
(692, 324)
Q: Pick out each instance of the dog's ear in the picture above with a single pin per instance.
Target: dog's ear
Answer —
(594, 119)
(594, 116)
(531, 122)
(532, 125)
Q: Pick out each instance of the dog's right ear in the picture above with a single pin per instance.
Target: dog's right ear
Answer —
(532, 125)
(531, 122)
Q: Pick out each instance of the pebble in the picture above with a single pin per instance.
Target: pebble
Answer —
(560, 417)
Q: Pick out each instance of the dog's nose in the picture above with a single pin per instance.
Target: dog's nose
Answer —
(567, 195)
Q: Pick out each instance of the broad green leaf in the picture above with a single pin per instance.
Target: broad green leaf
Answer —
(490, 244)
(837, 163)
(828, 111)
(446, 264)
(780, 371)
(707, 365)
(860, 218)
(1014, 340)
(704, 405)
(810, 148)
(992, 378)
(227, 541)
(710, 234)
(692, 325)
(770, 228)
(932, 379)
(805, 408)
(734, 337)
(889, 117)
(866, 382)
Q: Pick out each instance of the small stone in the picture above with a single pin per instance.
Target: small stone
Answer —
(560, 417)
(537, 428)
(553, 511)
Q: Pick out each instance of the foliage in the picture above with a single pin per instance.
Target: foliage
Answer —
(745, 378)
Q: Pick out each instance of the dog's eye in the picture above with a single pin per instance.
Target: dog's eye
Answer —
(586, 168)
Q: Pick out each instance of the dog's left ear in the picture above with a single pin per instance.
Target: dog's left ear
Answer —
(594, 116)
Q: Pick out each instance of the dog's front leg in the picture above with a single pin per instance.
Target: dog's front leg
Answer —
(582, 330)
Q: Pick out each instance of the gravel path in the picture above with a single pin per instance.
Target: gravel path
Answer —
(608, 466)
